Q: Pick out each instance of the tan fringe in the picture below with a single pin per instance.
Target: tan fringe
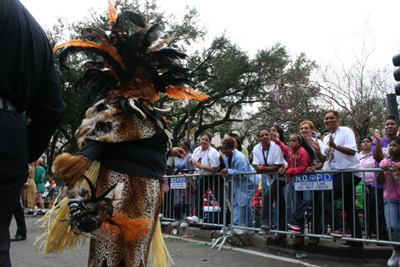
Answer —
(58, 235)
(71, 168)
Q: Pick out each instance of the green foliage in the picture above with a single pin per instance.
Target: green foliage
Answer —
(287, 92)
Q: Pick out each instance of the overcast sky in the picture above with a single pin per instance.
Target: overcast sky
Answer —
(318, 28)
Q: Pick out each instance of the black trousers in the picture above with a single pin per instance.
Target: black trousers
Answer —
(275, 191)
(216, 183)
(373, 199)
(349, 205)
(20, 217)
(13, 173)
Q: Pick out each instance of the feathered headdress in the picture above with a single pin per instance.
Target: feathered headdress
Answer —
(131, 66)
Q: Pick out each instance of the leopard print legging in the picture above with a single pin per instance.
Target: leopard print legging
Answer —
(141, 198)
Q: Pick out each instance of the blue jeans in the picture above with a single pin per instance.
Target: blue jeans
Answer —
(243, 191)
(303, 200)
(392, 209)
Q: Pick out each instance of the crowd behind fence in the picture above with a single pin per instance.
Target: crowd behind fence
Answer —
(238, 205)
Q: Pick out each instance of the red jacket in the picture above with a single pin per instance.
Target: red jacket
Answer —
(300, 164)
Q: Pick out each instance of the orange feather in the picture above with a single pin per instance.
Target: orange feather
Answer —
(131, 229)
(103, 45)
(179, 92)
(112, 13)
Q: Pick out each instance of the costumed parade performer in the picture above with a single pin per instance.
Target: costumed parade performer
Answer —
(115, 182)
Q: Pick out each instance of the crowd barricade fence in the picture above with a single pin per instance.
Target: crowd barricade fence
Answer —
(206, 202)
(236, 205)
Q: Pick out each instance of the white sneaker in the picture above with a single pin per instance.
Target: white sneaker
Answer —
(226, 229)
(262, 232)
(192, 219)
(249, 232)
(394, 259)
(184, 225)
(165, 222)
(239, 232)
(176, 223)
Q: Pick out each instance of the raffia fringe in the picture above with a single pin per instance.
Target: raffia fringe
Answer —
(59, 235)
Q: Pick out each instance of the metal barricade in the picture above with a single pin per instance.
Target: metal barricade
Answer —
(195, 199)
(230, 203)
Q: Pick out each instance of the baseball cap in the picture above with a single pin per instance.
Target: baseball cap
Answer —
(235, 133)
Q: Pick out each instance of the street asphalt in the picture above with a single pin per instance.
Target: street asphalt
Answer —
(184, 251)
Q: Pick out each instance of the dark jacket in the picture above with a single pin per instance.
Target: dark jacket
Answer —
(28, 78)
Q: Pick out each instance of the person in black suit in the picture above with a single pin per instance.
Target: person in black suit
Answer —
(28, 83)
(19, 216)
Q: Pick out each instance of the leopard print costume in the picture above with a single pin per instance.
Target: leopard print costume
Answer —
(141, 198)
(110, 123)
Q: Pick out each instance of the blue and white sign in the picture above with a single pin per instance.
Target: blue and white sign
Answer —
(178, 183)
(313, 181)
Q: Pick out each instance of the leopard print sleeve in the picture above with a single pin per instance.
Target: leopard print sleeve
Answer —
(107, 122)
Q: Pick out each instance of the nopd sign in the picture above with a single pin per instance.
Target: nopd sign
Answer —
(314, 181)
(178, 183)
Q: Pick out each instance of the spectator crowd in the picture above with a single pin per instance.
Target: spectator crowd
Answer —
(270, 178)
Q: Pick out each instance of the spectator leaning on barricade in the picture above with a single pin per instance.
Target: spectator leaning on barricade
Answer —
(368, 162)
(206, 159)
(268, 157)
(304, 198)
(183, 206)
(243, 148)
(288, 190)
(243, 186)
(379, 150)
(340, 150)
(300, 156)
(323, 134)
(391, 196)
(182, 166)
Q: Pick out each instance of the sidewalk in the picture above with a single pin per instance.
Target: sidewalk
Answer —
(325, 247)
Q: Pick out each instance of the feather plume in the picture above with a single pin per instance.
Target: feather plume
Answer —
(103, 45)
(112, 13)
(130, 229)
(180, 92)
(100, 34)
(162, 43)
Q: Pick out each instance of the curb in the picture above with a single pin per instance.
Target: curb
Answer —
(326, 247)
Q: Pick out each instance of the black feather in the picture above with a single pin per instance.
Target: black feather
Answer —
(135, 18)
(150, 37)
(93, 65)
(100, 34)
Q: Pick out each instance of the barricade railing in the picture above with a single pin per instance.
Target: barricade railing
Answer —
(205, 206)
(244, 208)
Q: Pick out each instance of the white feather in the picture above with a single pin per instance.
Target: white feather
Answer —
(132, 104)
(162, 110)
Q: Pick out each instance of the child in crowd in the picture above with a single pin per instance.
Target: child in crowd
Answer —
(300, 156)
(182, 208)
(391, 197)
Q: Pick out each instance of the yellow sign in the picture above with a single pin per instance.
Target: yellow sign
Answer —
(191, 137)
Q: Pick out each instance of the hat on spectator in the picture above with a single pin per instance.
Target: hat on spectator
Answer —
(235, 133)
